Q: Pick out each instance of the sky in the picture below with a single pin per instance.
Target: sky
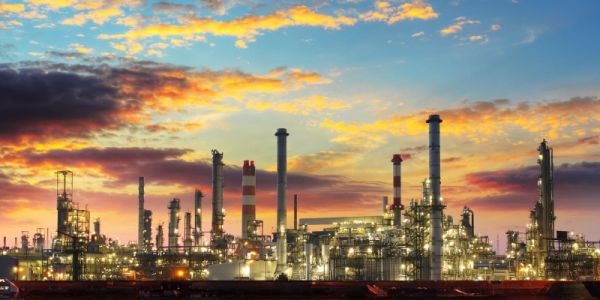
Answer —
(113, 90)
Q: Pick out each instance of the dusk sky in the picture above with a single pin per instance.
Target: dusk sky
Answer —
(113, 90)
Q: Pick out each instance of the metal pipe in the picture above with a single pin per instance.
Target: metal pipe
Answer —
(436, 203)
(197, 217)
(187, 230)
(141, 242)
(282, 135)
(248, 198)
(384, 203)
(295, 211)
(217, 193)
(174, 225)
(397, 206)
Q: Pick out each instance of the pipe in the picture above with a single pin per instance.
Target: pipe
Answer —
(248, 198)
(282, 135)
(397, 206)
(187, 230)
(217, 193)
(160, 237)
(174, 225)
(384, 203)
(295, 211)
(436, 204)
(141, 241)
(197, 217)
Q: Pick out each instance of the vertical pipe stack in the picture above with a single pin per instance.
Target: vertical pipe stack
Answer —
(141, 241)
(187, 230)
(160, 237)
(217, 193)
(384, 203)
(436, 203)
(197, 218)
(281, 198)
(147, 230)
(248, 197)
(174, 225)
(295, 211)
(397, 205)
(546, 188)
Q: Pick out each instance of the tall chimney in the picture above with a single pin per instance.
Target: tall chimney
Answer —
(546, 189)
(160, 237)
(295, 211)
(197, 218)
(436, 203)
(384, 203)
(141, 241)
(217, 195)
(397, 205)
(174, 225)
(248, 197)
(282, 135)
(187, 231)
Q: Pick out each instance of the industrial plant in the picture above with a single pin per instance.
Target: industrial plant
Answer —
(409, 240)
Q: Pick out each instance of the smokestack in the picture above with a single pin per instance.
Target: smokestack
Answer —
(174, 225)
(397, 206)
(147, 230)
(187, 230)
(97, 227)
(546, 188)
(141, 242)
(295, 211)
(4, 244)
(160, 237)
(248, 197)
(281, 198)
(197, 218)
(217, 195)
(436, 201)
(384, 203)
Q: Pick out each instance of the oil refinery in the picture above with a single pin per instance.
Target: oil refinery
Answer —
(409, 240)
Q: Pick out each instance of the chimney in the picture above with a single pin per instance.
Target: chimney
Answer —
(141, 241)
(248, 197)
(397, 206)
(197, 218)
(436, 201)
(174, 225)
(295, 211)
(217, 193)
(282, 135)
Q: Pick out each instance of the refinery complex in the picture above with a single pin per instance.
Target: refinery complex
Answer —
(411, 240)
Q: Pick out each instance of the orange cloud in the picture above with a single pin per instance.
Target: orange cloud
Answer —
(478, 121)
(245, 29)
(98, 16)
(457, 26)
(386, 12)
(303, 106)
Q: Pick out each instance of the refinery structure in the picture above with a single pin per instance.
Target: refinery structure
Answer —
(408, 240)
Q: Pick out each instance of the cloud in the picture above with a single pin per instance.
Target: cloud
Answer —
(164, 6)
(6, 8)
(576, 187)
(218, 6)
(245, 28)
(120, 167)
(98, 16)
(495, 27)
(493, 118)
(387, 12)
(304, 106)
(530, 36)
(43, 100)
(457, 26)
(80, 48)
(418, 34)
(475, 38)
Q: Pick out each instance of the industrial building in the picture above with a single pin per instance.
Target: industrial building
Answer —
(413, 241)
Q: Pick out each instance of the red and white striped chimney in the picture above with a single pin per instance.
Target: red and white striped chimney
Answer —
(248, 197)
(397, 206)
